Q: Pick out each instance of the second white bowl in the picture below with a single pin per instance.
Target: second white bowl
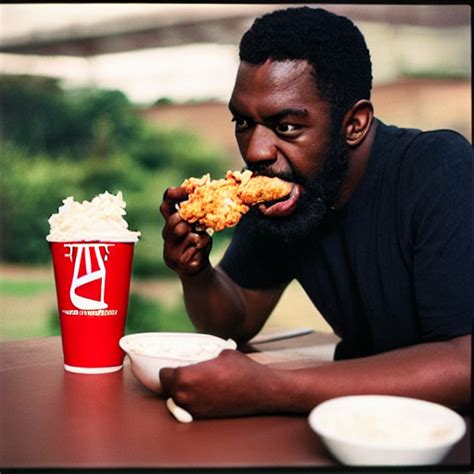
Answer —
(382, 430)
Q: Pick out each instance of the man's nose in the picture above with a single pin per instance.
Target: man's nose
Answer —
(261, 147)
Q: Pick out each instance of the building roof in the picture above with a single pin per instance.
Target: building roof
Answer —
(171, 25)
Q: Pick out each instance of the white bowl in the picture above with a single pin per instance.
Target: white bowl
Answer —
(151, 351)
(367, 430)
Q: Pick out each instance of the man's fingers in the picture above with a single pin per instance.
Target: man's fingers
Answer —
(170, 197)
(167, 208)
(192, 246)
(185, 250)
(175, 229)
(188, 255)
(199, 240)
(167, 377)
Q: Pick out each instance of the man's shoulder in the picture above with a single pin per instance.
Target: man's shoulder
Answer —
(441, 141)
(428, 150)
(414, 139)
(436, 163)
(425, 162)
(440, 152)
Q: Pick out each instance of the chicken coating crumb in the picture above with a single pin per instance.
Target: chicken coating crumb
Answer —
(217, 204)
(263, 189)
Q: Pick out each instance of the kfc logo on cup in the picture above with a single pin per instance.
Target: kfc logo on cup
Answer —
(86, 255)
(92, 278)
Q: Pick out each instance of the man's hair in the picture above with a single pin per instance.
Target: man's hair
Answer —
(331, 43)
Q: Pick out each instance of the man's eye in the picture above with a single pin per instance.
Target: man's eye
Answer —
(240, 124)
(286, 129)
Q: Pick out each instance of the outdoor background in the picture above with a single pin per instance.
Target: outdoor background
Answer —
(132, 97)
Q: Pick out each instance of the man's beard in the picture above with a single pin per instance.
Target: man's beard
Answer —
(317, 197)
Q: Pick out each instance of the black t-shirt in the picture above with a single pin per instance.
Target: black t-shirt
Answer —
(394, 267)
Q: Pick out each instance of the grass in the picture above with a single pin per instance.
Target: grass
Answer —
(25, 301)
(28, 306)
(23, 288)
(28, 309)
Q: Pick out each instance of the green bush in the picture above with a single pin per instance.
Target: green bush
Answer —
(32, 190)
(145, 314)
(83, 123)
(35, 114)
(82, 143)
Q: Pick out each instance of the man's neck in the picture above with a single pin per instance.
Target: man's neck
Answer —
(358, 161)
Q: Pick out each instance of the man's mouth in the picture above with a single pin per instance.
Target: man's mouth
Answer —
(284, 206)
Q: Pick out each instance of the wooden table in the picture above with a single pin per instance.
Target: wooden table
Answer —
(55, 419)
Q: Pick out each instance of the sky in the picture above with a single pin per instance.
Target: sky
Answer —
(181, 73)
(16, 19)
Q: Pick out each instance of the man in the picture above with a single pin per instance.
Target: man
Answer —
(378, 231)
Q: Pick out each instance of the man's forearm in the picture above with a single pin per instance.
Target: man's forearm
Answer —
(438, 371)
(213, 303)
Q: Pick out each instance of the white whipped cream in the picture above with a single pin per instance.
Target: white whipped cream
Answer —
(100, 219)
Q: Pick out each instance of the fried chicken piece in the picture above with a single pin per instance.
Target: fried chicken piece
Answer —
(263, 189)
(213, 204)
(217, 204)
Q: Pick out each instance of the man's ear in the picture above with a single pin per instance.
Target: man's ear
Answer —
(356, 122)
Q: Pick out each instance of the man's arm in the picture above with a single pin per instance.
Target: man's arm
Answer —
(435, 371)
(234, 385)
(215, 304)
(218, 306)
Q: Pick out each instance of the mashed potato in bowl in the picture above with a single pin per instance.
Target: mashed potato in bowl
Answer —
(386, 430)
(150, 352)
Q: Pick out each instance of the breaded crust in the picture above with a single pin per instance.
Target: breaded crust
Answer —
(263, 189)
(217, 204)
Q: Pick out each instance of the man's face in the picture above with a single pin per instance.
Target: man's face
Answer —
(283, 128)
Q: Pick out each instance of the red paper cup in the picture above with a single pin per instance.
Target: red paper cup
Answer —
(92, 287)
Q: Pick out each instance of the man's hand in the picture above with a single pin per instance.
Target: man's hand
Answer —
(185, 251)
(215, 304)
(234, 385)
(230, 385)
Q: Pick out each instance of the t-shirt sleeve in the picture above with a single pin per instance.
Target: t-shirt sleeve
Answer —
(255, 265)
(442, 232)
